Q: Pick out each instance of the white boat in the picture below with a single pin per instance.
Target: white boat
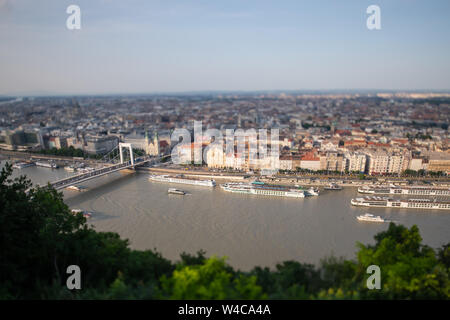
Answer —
(21, 165)
(333, 186)
(45, 164)
(407, 190)
(85, 170)
(176, 191)
(260, 188)
(76, 188)
(313, 191)
(370, 218)
(70, 168)
(85, 214)
(182, 180)
(385, 202)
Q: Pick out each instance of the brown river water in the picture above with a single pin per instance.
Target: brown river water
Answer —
(249, 230)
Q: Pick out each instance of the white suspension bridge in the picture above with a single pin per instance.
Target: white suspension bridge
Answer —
(112, 166)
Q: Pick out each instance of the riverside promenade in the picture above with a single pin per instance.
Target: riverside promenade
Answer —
(309, 180)
(20, 155)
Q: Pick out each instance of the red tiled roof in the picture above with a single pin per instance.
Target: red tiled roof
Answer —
(310, 156)
(378, 144)
(354, 142)
(343, 132)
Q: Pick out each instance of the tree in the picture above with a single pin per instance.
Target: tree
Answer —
(408, 268)
(409, 172)
(338, 272)
(36, 226)
(444, 255)
(209, 280)
(41, 237)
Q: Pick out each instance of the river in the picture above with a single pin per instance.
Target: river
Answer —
(249, 230)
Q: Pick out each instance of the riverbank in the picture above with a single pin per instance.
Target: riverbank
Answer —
(60, 160)
(290, 180)
(304, 179)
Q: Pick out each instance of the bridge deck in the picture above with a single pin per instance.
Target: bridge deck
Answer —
(70, 181)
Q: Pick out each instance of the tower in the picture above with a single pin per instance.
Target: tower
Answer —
(147, 142)
(156, 142)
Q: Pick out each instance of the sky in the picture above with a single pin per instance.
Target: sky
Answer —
(146, 46)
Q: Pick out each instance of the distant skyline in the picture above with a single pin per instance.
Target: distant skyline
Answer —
(138, 47)
(226, 93)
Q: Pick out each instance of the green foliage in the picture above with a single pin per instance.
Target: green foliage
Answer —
(35, 225)
(422, 173)
(73, 152)
(190, 260)
(138, 152)
(209, 280)
(444, 255)
(338, 273)
(408, 268)
(64, 152)
(41, 237)
(146, 266)
(293, 275)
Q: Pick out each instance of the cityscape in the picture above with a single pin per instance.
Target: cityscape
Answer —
(272, 152)
(378, 134)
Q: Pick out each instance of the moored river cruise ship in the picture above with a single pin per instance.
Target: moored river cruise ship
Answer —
(385, 202)
(182, 180)
(260, 188)
(21, 165)
(46, 164)
(411, 190)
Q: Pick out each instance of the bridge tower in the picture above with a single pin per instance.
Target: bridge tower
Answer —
(126, 146)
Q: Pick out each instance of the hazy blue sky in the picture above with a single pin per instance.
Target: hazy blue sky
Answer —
(164, 46)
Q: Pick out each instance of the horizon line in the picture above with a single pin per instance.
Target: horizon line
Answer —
(206, 92)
